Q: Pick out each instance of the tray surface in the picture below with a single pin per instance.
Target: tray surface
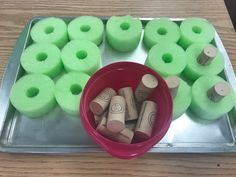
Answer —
(58, 132)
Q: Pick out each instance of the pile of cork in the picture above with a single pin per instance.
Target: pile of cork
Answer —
(123, 116)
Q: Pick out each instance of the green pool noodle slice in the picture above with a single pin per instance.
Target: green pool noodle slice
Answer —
(202, 106)
(86, 28)
(167, 59)
(42, 59)
(69, 90)
(123, 32)
(195, 30)
(82, 56)
(194, 70)
(182, 99)
(33, 95)
(50, 30)
(159, 31)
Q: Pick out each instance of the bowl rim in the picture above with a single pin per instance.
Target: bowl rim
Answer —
(97, 137)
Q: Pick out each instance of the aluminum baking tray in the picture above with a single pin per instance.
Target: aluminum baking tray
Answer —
(58, 132)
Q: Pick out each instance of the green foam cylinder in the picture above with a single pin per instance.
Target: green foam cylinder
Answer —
(182, 99)
(33, 95)
(166, 59)
(159, 31)
(86, 28)
(194, 70)
(123, 32)
(69, 90)
(195, 30)
(202, 106)
(82, 56)
(42, 59)
(50, 30)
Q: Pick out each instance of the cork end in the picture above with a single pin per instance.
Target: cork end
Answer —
(222, 89)
(218, 91)
(150, 81)
(207, 55)
(96, 108)
(210, 51)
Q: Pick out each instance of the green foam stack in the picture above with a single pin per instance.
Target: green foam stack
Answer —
(166, 59)
(82, 56)
(69, 90)
(194, 69)
(42, 59)
(203, 106)
(159, 31)
(33, 95)
(86, 28)
(50, 30)
(123, 32)
(195, 30)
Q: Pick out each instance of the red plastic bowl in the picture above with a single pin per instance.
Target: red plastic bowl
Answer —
(118, 75)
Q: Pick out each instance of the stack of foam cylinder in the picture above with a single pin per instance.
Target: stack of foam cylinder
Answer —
(124, 114)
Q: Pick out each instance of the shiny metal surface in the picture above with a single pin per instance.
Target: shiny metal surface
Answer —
(58, 132)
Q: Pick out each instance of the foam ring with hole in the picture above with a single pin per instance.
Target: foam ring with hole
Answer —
(167, 59)
(205, 108)
(182, 99)
(160, 30)
(195, 30)
(50, 30)
(82, 56)
(86, 28)
(123, 32)
(194, 70)
(33, 95)
(42, 59)
(68, 91)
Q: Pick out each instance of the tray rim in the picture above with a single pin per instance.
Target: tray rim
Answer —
(10, 76)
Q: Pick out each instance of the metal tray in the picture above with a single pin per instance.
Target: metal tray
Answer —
(58, 132)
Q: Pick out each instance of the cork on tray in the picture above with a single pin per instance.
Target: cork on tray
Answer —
(218, 91)
(146, 119)
(173, 83)
(101, 102)
(131, 110)
(207, 55)
(147, 84)
(116, 114)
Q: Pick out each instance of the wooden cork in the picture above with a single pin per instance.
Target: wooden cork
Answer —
(116, 114)
(101, 102)
(146, 120)
(131, 110)
(125, 136)
(147, 84)
(102, 128)
(218, 91)
(173, 83)
(97, 119)
(207, 55)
